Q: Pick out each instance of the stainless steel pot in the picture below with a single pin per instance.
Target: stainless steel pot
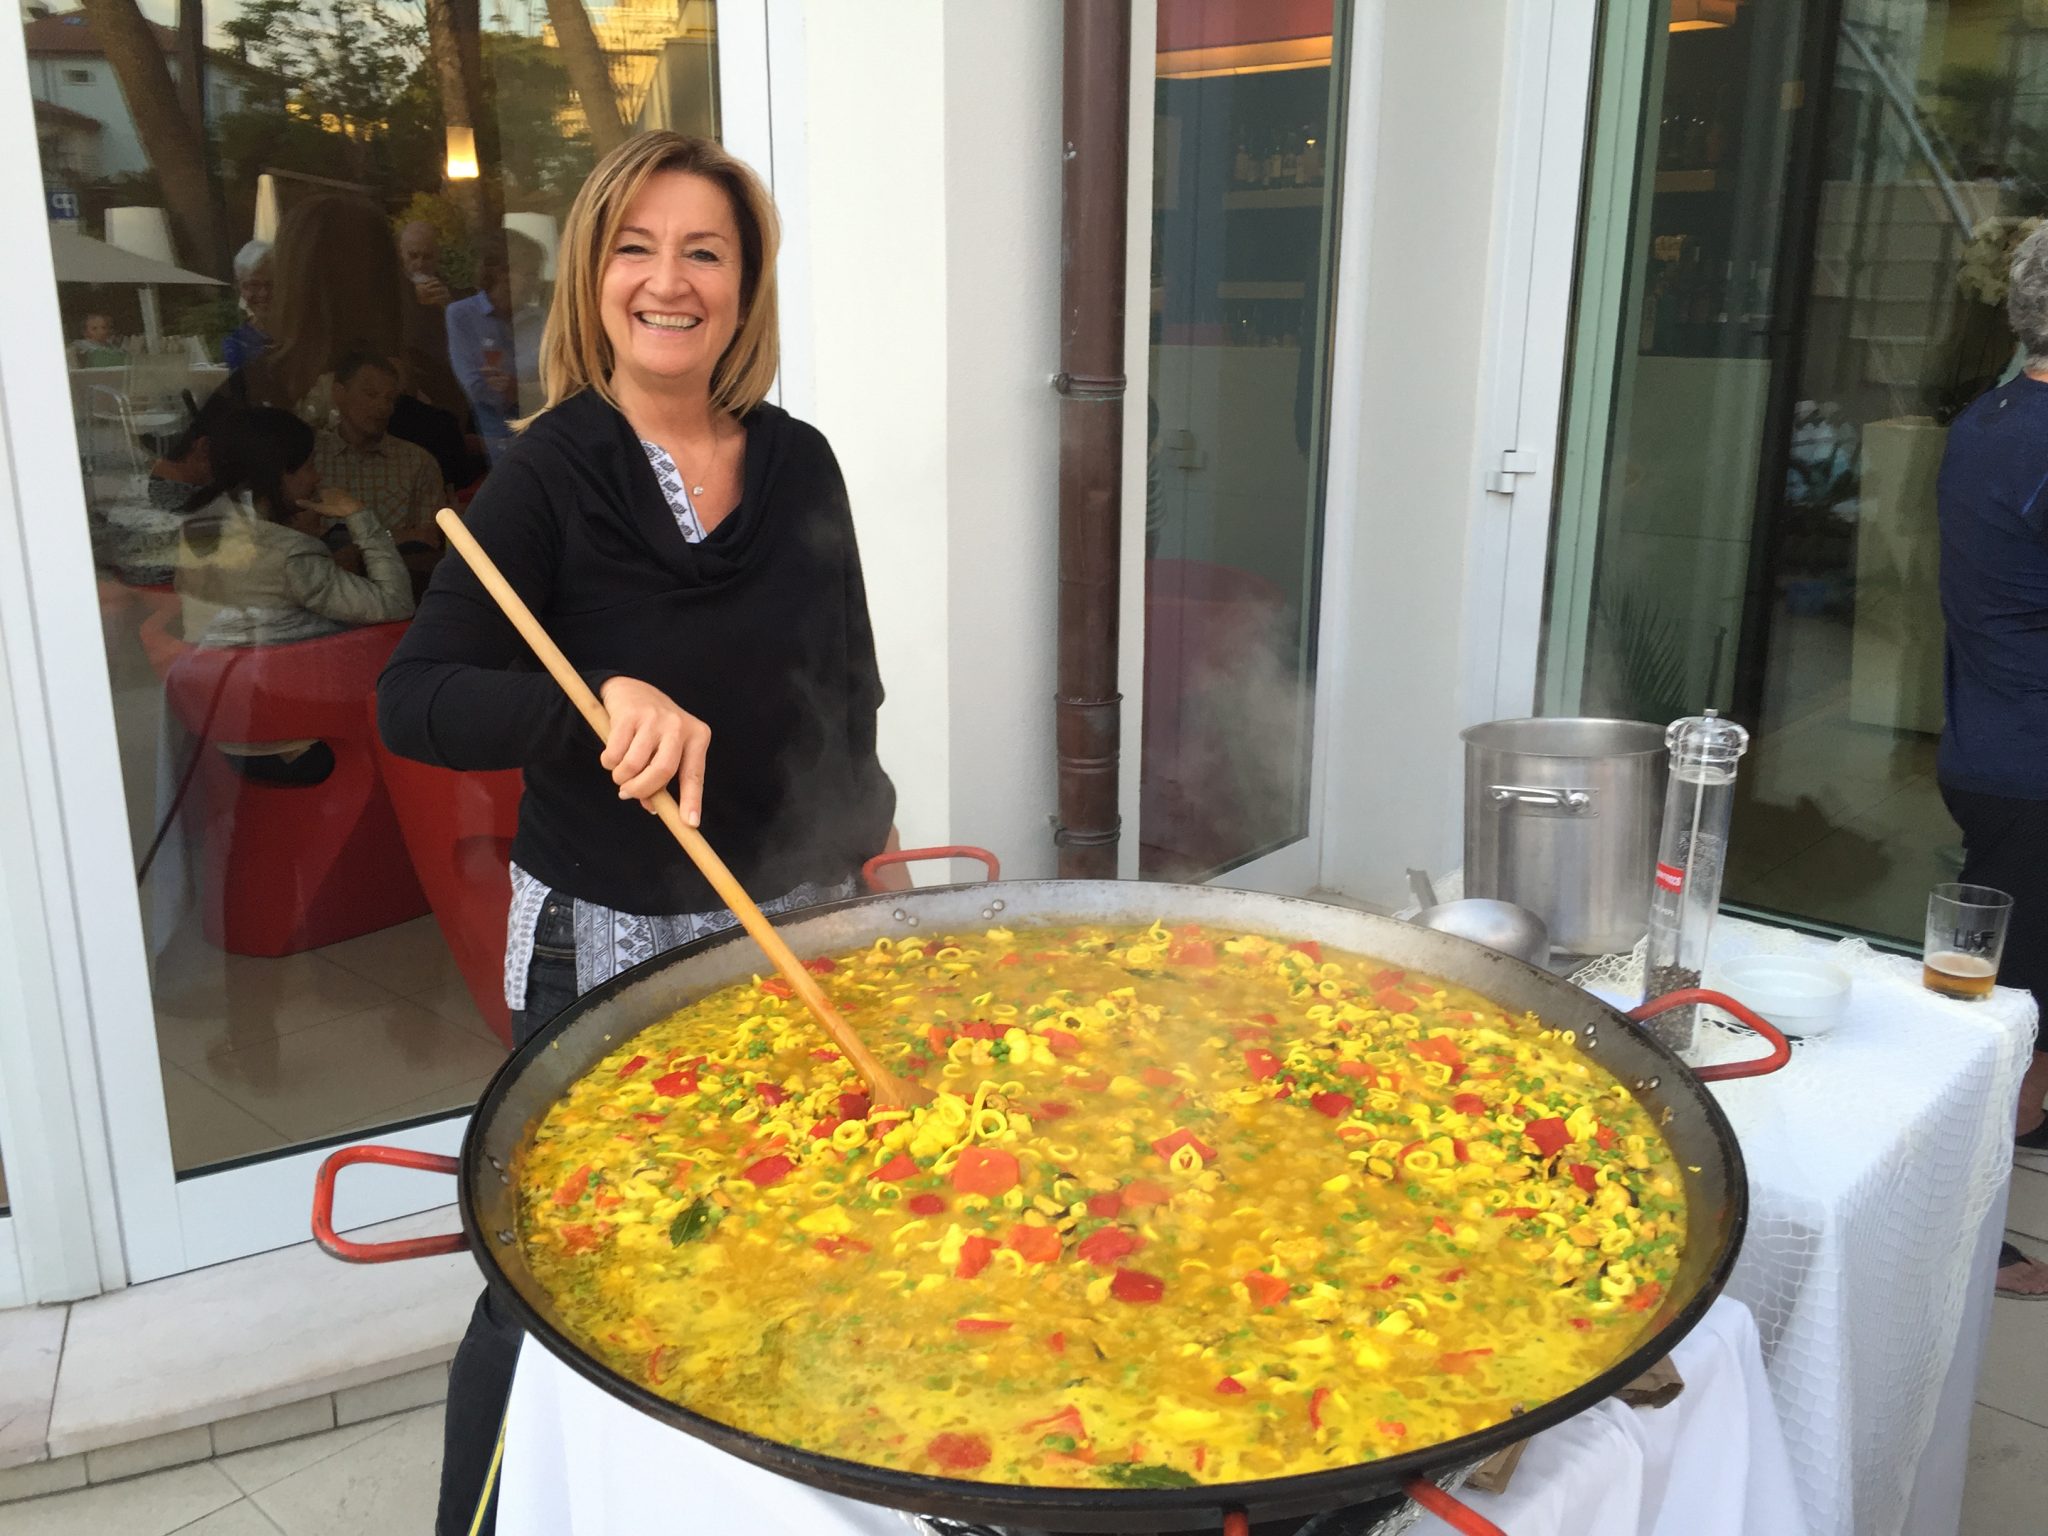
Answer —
(1561, 817)
(542, 1070)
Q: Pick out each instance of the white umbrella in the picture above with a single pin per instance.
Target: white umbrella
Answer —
(82, 259)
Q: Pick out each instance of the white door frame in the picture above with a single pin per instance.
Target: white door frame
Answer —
(1551, 50)
(96, 1201)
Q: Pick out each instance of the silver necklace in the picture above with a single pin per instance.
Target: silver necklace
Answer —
(698, 490)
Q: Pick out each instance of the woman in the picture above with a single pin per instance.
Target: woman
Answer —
(691, 549)
(253, 569)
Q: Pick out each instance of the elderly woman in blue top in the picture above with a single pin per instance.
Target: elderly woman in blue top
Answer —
(1993, 763)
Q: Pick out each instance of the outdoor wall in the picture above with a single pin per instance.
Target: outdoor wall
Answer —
(1395, 767)
(932, 214)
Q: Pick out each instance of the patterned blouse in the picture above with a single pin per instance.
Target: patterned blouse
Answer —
(609, 942)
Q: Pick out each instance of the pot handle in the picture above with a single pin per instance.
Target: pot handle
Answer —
(915, 855)
(1452, 1511)
(378, 1253)
(1781, 1048)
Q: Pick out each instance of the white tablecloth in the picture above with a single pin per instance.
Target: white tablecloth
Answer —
(1711, 1463)
(1877, 1163)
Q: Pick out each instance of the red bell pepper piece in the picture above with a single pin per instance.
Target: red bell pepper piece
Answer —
(824, 965)
(898, 1168)
(974, 1256)
(1158, 1077)
(1067, 1421)
(769, 1171)
(1582, 1175)
(1461, 1362)
(1143, 1192)
(772, 1094)
(1441, 1048)
(1468, 1104)
(1550, 1135)
(1136, 1286)
(925, 1205)
(1582, 1323)
(1105, 1205)
(1335, 1105)
(1312, 949)
(1267, 1290)
(985, 1171)
(1316, 1399)
(1516, 1212)
(1354, 1069)
(571, 1189)
(854, 1105)
(980, 1029)
(581, 1237)
(1056, 1342)
(1053, 1109)
(1105, 1246)
(1065, 1043)
(982, 1324)
(1646, 1297)
(826, 1127)
(1166, 1146)
(1394, 1002)
(1230, 1386)
(1604, 1138)
(1381, 980)
(633, 1066)
(1038, 1245)
(776, 986)
(958, 1453)
(1192, 952)
(1261, 1064)
(646, 1117)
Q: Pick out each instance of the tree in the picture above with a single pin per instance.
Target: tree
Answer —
(589, 72)
(455, 44)
(177, 150)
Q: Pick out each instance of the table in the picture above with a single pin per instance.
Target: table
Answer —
(1878, 1160)
(575, 1461)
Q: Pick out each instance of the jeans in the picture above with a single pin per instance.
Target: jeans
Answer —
(480, 1380)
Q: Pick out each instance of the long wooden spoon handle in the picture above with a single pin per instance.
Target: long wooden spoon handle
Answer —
(884, 1087)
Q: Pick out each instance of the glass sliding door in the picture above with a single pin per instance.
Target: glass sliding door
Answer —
(1825, 199)
(322, 234)
(1249, 103)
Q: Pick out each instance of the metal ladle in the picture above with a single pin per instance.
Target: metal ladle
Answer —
(1498, 925)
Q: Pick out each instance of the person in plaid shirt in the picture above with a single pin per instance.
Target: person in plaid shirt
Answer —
(396, 480)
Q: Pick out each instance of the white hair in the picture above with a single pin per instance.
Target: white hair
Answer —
(250, 257)
(2026, 299)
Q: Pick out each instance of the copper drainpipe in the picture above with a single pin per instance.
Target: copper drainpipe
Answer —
(1095, 158)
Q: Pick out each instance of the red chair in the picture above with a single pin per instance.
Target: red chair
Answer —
(458, 830)
(288, 867)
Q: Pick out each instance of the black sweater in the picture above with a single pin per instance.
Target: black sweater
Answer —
(761, 631)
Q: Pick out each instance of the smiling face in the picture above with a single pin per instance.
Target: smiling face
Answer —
(669, 296)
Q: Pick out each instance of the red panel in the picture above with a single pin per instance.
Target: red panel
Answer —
(1187, 24)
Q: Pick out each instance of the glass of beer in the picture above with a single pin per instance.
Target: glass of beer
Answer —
(1965, 940)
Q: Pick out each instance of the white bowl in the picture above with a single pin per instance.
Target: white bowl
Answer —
(1802, 996)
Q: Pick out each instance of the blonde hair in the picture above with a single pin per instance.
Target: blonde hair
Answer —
(575, 353)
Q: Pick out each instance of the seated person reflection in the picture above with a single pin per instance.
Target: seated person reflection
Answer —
(494, 340)
(254, 281)
(397, 482)
(252, 568)
(143, 525)
(97, 346)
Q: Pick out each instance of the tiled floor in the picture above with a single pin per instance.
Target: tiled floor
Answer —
(379, 1478)
(372, 1479)
(259, 1054)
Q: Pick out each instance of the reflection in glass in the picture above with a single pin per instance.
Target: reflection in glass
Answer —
(1817, 290)
(305, 253)
(1244, 202)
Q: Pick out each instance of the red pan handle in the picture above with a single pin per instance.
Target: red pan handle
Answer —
(1453, 1512)
(1781, 1048)
(378, 1253)
(915, 855)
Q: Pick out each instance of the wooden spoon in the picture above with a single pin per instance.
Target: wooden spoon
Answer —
(884, 1087)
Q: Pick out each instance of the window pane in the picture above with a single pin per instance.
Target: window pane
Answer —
(1244, 200)
(1821, 215)
(345, 213)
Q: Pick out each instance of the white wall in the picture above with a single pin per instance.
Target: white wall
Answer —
(1395, 765)
(931, 253)
(1002, 304)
